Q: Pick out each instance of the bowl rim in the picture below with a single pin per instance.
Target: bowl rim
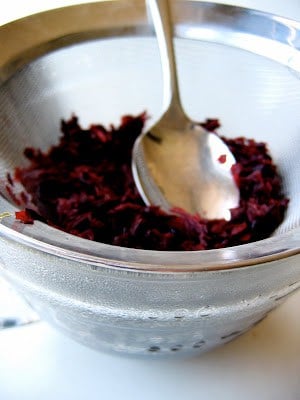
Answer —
(14, 53)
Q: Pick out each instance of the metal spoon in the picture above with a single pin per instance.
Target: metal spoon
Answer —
(178, 163)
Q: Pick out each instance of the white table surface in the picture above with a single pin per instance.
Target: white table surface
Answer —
(36, 362)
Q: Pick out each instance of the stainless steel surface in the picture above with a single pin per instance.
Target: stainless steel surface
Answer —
(137, 301)
(176, 163)
(212, 32)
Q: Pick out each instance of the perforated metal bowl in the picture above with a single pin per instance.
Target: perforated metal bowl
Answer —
(101, 61)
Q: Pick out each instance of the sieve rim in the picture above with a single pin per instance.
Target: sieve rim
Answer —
(16, 51)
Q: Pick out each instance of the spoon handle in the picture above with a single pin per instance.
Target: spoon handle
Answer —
(161, 16)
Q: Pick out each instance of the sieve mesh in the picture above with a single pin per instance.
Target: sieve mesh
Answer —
(101, 80)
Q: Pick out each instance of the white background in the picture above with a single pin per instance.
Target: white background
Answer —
(38, 363)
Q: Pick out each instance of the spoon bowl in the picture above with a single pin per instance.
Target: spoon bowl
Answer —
(178, 163)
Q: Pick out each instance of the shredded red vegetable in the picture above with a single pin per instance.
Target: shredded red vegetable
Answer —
(222, 159)
(84, 186)
(24, 216)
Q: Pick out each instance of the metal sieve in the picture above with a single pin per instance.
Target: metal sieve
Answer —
(101, 61)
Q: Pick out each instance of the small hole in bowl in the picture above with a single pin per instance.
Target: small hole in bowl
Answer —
(177, 347)
(154, 349)
(198, 344)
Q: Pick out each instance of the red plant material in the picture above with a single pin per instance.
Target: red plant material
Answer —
(84, 186)
(222, 159)
(24, 216)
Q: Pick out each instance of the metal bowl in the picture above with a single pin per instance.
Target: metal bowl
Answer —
(101, 61)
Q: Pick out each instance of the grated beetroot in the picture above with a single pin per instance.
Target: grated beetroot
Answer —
(84, 186)
(24, 217)
(222, 159)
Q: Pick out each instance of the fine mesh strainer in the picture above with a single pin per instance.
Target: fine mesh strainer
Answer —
(101, 61)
